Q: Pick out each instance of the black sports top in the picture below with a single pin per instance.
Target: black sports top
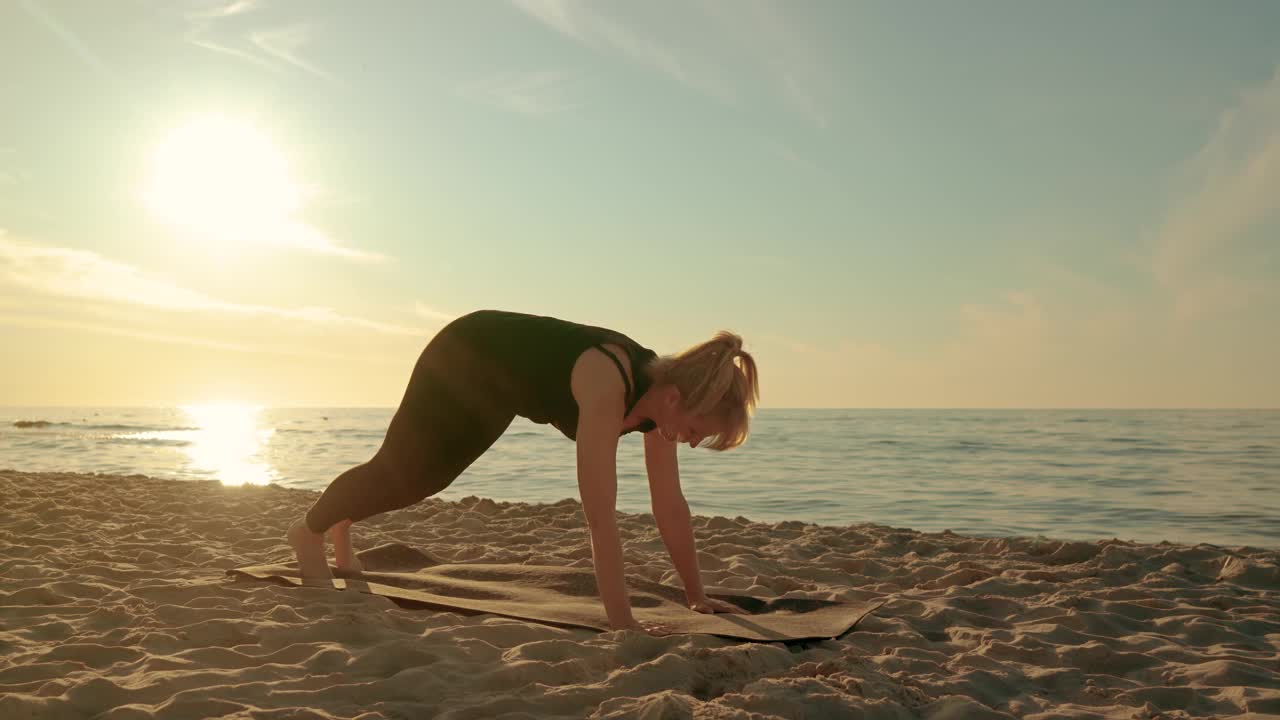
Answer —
(535, 355)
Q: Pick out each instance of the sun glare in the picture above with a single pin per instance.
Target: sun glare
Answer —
(221, 178)
(229, 443)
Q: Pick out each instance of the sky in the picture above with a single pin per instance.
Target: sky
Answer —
(934, 205)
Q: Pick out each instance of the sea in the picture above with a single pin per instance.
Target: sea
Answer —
(1183, 476)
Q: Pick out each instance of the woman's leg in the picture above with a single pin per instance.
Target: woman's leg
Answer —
(449, 417)
(344, 555)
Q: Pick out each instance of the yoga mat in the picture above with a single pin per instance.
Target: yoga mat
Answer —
(567, 597)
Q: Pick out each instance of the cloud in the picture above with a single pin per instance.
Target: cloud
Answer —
(218, 8)
(786, 154)
(587, 25)
(68, 38)
(221, 26)
(795, 346)
(286, 44)
(1024, 348)
(1020, 314)
(85, 275)
(762, 38)
(287, 233)
(785, 50)
(25, 318)
(534, 94)
(431, 313)
(12, 175)
(1232, 187)
(45, 321)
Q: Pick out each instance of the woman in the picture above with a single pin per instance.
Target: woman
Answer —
(592, 384)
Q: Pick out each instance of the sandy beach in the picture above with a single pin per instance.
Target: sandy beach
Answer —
(115, 603)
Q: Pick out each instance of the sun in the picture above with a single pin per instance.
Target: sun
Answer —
(221, 178)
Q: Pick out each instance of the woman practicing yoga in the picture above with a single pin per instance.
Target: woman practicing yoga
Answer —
(592, 384)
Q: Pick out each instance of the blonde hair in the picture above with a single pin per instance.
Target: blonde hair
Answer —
(711, 383)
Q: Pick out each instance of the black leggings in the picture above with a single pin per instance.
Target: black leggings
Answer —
(450, 415)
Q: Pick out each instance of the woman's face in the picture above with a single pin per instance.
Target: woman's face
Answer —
(679, 426)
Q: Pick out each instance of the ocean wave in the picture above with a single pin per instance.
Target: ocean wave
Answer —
(139, 428)
(148, 441)
(93, 427)
(1141, 450)
(346, 432)
(972, 446)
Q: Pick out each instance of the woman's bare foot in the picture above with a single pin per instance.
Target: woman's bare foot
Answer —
(344, 555)
(309, 548)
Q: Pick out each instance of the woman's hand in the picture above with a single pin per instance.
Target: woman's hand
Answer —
(704, 604)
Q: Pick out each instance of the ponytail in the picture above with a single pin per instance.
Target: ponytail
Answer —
(716, 378)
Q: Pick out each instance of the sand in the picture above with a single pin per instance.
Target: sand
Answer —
(114, 603)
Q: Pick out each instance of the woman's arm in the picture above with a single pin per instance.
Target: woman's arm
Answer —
(671, 511)
(601, 404)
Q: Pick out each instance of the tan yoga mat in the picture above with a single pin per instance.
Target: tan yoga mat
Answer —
(567, 597)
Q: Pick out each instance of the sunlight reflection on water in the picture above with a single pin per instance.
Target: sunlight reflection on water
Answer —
(225, 442)
(229, 443)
